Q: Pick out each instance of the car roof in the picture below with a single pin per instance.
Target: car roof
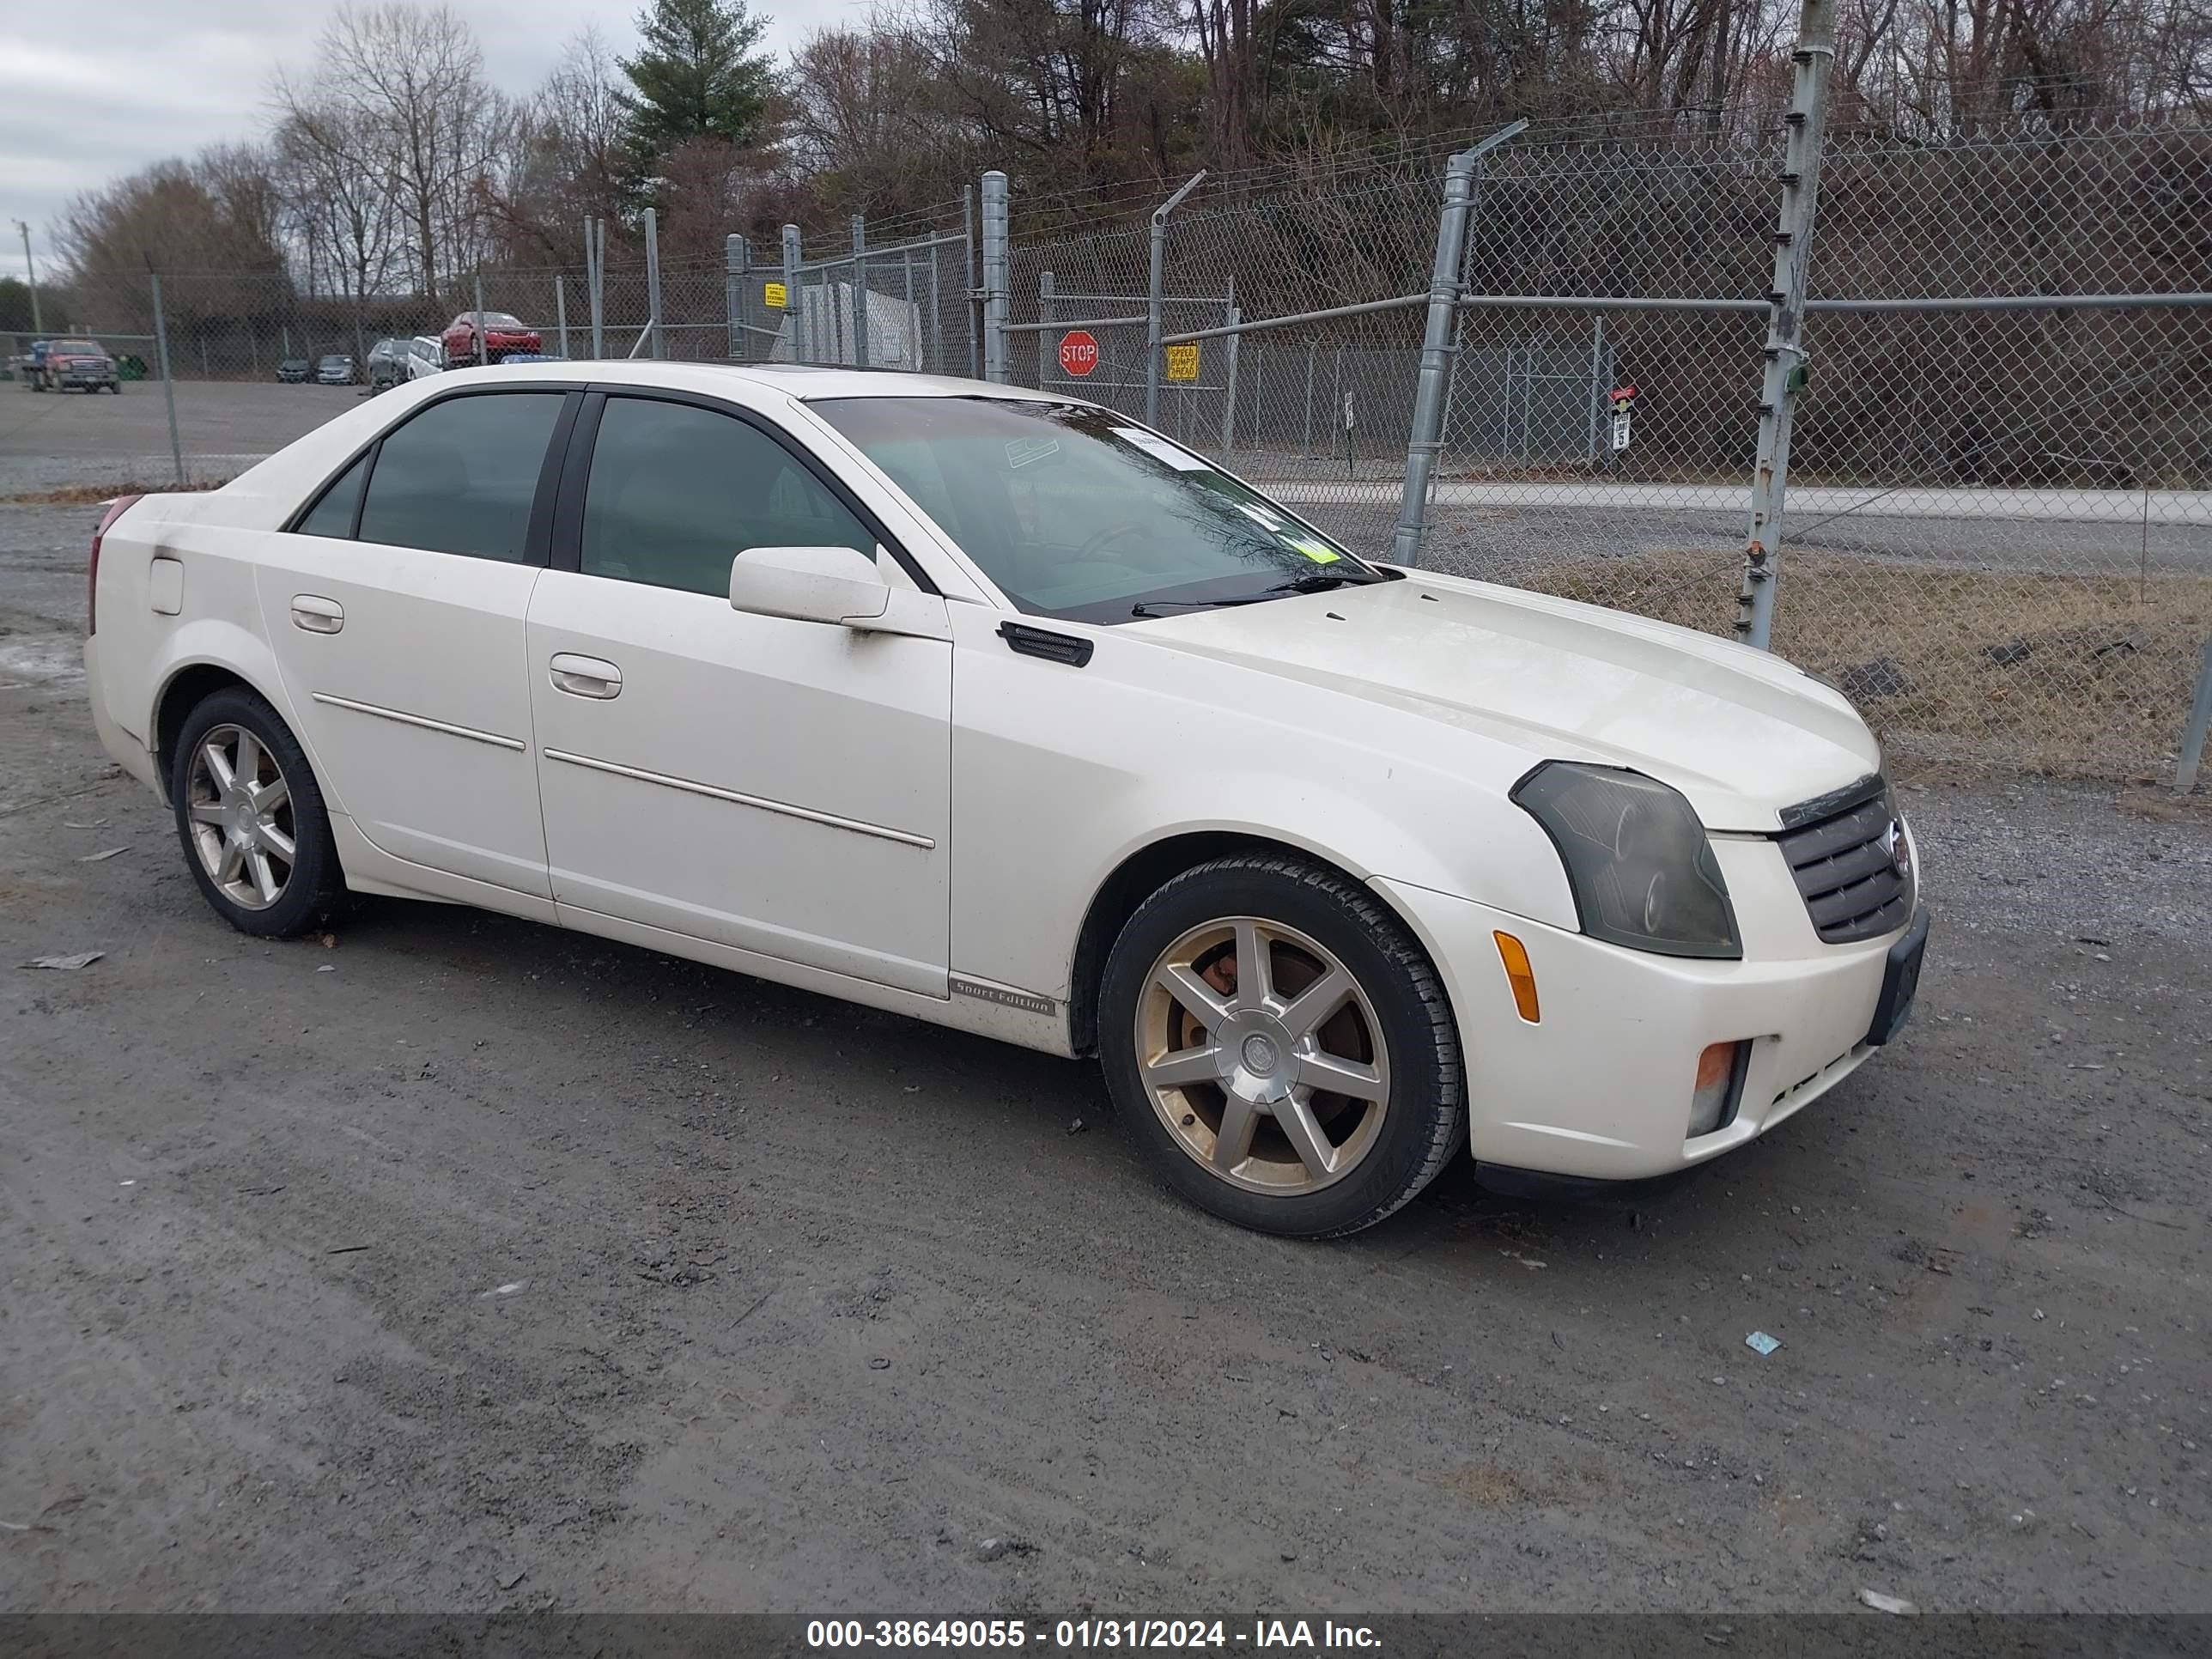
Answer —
(802, 380)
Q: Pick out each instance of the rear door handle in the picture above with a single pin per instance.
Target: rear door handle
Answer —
(316, 614)
(586, 677)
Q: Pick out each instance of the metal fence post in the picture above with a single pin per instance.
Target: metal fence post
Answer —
(910, 314)
(1153, 293)
(969, 278)
(1044, 315)
(1229, 404)
(1598, 387)
(1785, 375)
(561, 309)
(1439, 340)
(794, 311)
(737, 261)
(595, 282)
(652, 278)
(860, 329)
(2200, 720)
(168, 380)
(483, 354)
(995, 279)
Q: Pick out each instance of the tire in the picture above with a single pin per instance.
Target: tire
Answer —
(312, 883)
(1247, 1067)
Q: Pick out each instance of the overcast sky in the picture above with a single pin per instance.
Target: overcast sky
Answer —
(95, 88)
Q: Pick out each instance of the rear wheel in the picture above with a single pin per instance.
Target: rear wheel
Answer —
(1280, 1047)
(250, 817)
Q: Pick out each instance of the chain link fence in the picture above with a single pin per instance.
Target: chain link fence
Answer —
(1998, 527)
(1995, 524)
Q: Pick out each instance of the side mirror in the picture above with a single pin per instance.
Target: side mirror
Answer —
(840, 585)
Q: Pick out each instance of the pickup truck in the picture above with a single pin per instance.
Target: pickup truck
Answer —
(71, 364)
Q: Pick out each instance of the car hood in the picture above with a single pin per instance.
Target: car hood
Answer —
(1741, 734)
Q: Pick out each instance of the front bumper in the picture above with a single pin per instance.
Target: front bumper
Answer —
(1601, 1087)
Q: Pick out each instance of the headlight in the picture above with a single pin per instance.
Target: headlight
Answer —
(1642, 872)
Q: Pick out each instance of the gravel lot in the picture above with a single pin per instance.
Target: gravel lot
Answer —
(460, 1264)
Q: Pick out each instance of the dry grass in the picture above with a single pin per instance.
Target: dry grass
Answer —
(2071, 676)
(91, 494)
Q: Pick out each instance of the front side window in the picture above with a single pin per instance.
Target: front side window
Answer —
(676, 492)
(1076, 513)
(462, 476)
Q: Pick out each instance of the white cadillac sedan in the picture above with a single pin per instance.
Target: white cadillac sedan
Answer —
(999, 710)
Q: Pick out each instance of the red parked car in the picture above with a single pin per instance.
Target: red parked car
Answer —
(501, 334)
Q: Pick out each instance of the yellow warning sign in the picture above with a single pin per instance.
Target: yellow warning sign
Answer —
(778, 296)
(1182, 361)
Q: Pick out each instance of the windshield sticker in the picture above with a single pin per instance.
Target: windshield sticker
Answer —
(1319, 552)
(1161, 450)
(1022, 450)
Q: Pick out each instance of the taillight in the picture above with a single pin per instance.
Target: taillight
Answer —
(116, 509)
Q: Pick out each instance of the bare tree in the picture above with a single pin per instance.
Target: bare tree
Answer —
(578, 115)
(343, 220)
(411, 80)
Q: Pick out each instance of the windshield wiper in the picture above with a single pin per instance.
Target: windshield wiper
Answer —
(1321, 582)
(1157, 607)
(1314, 582)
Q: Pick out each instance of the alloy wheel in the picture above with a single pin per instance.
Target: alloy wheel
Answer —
(1262, 1055)
(240, 808)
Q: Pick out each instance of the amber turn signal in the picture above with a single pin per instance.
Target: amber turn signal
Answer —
(1720, 1079)
(1515, 956)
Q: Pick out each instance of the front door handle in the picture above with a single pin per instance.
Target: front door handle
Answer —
(316, 614)
(585, 676)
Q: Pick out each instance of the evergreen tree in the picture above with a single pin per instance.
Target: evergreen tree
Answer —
(698, 74)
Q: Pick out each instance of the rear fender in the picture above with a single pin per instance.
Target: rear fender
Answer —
(208, 641)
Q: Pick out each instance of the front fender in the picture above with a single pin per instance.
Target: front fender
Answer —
(1061, 775)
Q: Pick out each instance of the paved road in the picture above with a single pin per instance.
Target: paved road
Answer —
(1484, 528)
(460, 1264)
(2189, 507)
(224, 427)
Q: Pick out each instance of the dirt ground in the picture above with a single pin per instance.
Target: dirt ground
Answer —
(461, 1264)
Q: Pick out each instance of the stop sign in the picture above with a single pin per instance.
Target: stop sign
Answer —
(1079, 352)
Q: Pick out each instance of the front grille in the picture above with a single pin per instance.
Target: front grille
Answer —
(1838, 850)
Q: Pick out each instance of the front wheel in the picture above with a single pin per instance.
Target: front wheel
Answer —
(250, 817)
(1280, 1047)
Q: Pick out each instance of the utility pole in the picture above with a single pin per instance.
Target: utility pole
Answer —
(31, 272)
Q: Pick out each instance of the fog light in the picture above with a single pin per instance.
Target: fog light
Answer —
(1720, 1086)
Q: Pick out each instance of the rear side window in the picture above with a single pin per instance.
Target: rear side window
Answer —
(676, 492)
(462, 476)
(333, 514)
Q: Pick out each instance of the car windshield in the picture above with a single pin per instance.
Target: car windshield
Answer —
(500, 320)
(73, 345)
(1077, 513)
